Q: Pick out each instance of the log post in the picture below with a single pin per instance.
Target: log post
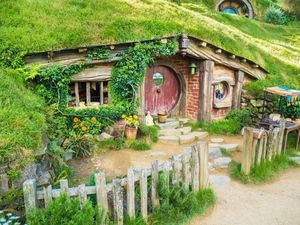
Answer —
(203, 164)
(281, 136)
(47, 195)
(154, 179)
(4, 187)
(237, 90)
(247, 150)
(205, 86)
(77, 99)
(64, 186)
(166, 172)
(260, 150)
(101, 193)
(144, 194)
(101, 93)
(176, 170)
(254, 148)
(88, 93)
(186, 171)
(118, 202)
(130, 193)
(82, 194)
(30, 200)
(195, 169)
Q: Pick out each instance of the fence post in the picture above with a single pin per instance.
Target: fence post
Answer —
(185, 171)
(101, 193)
(254, 149)
(166, 171)
(247, 150)
(130, 193)
(64, 186)
(154, 179)
(281, 135)
(3, 183)
(82, 194)
(118, 202)
(176, 170)
(29, 189)
(47, 195)
(203, 167)
(260, 150)
(195, 169)
(144, 193)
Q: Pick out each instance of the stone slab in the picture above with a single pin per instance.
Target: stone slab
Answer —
(199, 135)
(154, 154)
(185, 130)
(184, 120)
(295, 158)
(214, 153)
(169, 124)
(187, 149)
(169, 139)
(214, 145)
(222, 162)
(169, 132)
(230, 147)
(217, 140)
(185, 139)
(219, 179)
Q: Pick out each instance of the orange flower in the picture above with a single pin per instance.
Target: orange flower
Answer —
(75, 126)
(75, 119)
(81, 124)
(94, 119)
(84, 129)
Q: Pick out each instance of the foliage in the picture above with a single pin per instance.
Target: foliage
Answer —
(9, 218)
(241, 116)
(196, 125)
(294, 7)
(116, 144)
(11, 57)
(178, 205)
(131, 121)
(138, 145)
(22, 123)
(128, 73)
(81, 145)
(66, 211)
(266, 171)
(99, 53)
(290, 109)
(151, 131)
(86, 125)
(275, 15)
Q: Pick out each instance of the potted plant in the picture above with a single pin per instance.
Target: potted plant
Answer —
(162, 117)
(131, 125)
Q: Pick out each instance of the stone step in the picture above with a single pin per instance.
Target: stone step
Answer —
(169, 124)
(169, 139)
(230, 147)
(295, 158)
(175, 132)
(214, 153)
(219, 179)
(187, 138)
(199, 135)
(222, 162)
(217, 140)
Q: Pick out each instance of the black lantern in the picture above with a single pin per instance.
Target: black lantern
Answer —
(184, 44)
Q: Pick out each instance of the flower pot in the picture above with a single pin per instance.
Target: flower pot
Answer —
(162, 117)
(130, 133)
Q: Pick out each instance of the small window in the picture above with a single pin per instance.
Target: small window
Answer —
(221, 91)
(158, 79)
(230, 11)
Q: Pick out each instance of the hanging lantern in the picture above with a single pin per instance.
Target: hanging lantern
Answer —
(193, 68)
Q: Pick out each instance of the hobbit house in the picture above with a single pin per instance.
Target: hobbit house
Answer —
(238, 7)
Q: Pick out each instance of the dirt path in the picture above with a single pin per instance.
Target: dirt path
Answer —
(276, 203)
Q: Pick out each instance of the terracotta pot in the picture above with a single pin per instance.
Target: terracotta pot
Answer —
(162, 117)
(297, 120)
(130, 133)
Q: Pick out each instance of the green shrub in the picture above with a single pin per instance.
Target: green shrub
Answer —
(66, 211)
(223, 127)
(241, 116)
(81, 145)
(138, 145)
(150, 131)
(275, 15)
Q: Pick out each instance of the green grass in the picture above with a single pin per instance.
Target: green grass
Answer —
(264, 172)
(225, 153)
(138, 145)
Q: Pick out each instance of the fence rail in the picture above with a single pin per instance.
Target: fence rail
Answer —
(190, 169)
(261, 144)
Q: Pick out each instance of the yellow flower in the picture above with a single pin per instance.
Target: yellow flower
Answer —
(75, 119)
(75, 126)
(84, 129)
(135, 117)
(94, 119)
(123, 116)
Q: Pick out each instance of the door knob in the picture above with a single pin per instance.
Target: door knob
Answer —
(158, 91)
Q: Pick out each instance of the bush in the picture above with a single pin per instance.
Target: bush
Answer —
(151, 131)
(66, 211)
(138, 145)
(275, 15)
(223, 127)
(81, 145)
(242, 116)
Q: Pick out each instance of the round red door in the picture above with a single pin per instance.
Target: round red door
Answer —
(161, 89)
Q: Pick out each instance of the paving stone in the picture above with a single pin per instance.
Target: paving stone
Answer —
(188, 138)
(104, 136)
(295, 158)
(214, 153)
(184, 120)
(214, 145)
(169, 124)
(187, 149)
(169, 132)
(222, 162)
(44, 179)
(154, 154)
(219, 179)
(217, 140)
(230, 147)
(169, 139)
(211, 166)
(185, 130)
(199, 135)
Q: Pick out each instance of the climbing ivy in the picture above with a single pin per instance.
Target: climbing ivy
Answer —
(128, 73)
(99, 53)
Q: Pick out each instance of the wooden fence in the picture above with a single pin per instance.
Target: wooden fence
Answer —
(188, 169)
(261, 144)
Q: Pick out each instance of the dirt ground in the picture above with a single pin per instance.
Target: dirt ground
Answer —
(116, 163)
(275, 203)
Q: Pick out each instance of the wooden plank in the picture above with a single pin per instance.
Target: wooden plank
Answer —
(130, 193)
(29, 190)
(144, 194)
(88, 93)
(82, 194)
(47, 195)
(276, 141)
(4, 187)
(247, 150)
(281, 136)
(101, 93)
(237, 90)
(118, 202)
(259, 151)
(195, 169)
(101, 192)
(205, 95)
(176, 170)
(203, 161)
(77, 94)
(270, 144)
(166, 172)
(64, 186)
(186, 171)
(265, 138)
(254, 149)
(154, 183)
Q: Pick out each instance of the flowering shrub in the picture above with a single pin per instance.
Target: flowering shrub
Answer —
(86, 125)
(131, 121)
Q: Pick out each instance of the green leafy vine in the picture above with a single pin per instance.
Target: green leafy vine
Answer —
(99, 53)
